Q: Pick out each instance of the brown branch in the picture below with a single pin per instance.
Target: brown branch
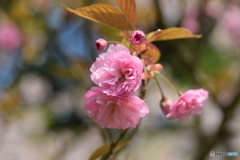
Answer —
(114, 145)
(141, 95)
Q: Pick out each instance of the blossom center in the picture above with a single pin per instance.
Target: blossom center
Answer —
(138, 37)
(113, 105)
(123, 76)
(98, 45)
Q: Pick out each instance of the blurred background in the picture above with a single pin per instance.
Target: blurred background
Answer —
(45, 56)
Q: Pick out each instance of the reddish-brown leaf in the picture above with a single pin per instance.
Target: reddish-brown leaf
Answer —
(129, 9)
(103, 13)
(153, 52)
(174, 33)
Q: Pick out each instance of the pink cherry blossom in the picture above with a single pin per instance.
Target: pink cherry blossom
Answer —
(188, 104)
(137, 37)
(100, 44)
(10, 37)
(117, 72)
(114, 112)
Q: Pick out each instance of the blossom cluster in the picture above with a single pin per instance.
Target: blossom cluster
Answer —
(118, 76)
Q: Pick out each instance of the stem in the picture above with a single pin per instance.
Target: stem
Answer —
(116, 42)
(114, 145)
(159, 86)
(122, 134)
(141, 95)
(122, 43)
(143, 89)
(165, 79)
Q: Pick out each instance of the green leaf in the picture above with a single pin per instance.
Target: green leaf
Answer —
(129, 9)
(173, 33)
(102, 13)
(103, 149)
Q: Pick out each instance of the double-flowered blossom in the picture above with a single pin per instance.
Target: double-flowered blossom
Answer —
(118, 75)
(112, 111)
(188, 104)
(117, 72)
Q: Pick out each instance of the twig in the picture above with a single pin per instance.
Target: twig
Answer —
(134, 131)
(166, 80)
(122, 134)
(114, 145)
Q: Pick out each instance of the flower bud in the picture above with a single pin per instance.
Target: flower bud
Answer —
(100, 44)
(155, 67)
(137, 37)
(165, 105)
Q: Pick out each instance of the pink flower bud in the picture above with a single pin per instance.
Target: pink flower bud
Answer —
(100, 44)
(155, 67)
(166, 104)
(137, 37)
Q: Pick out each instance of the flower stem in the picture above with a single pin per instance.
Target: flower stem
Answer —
(165, 79)
(122, 43)
(134, 131)
(117, 42)
(159, 86)
(114, 145)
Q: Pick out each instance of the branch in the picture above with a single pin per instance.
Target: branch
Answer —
(114, 145)
(141, 95)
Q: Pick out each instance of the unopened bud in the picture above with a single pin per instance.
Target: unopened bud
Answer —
(100, 44)
(137, 37)
(144, 76)
(165, 105)
(155, 67)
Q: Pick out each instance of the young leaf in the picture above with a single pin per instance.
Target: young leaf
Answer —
(153, 52)
(103, 149)
(174, 33)
(102, 13)
(129, 9)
